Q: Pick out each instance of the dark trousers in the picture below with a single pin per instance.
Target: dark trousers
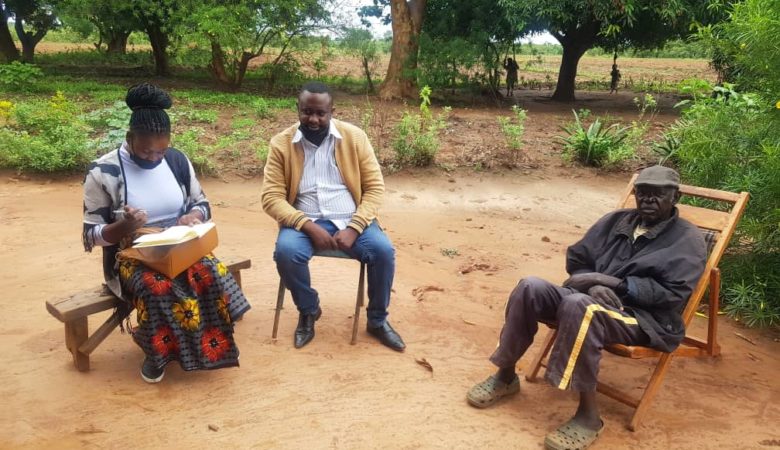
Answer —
(584, 328)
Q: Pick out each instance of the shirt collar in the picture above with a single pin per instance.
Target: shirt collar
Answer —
(332, 131)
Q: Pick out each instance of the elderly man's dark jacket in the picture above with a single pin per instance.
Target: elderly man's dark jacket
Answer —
(661, 269)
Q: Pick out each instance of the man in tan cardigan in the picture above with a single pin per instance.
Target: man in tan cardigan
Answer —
(324, 186)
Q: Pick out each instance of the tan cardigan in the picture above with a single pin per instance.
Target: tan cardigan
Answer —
(355, 159)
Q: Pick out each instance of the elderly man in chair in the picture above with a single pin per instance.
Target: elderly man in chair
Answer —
(630, 277)
(324, 186)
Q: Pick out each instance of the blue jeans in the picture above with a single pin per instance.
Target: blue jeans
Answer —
(294, 250)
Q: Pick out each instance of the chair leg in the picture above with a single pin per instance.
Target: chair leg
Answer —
(359, 302)
(712, 327)
(536, 364)
(279, 303)
(76, 334)
(652, 388)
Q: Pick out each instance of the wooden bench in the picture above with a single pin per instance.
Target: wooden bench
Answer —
(74, 311)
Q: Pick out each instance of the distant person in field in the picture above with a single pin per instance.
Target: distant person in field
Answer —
(324, 186)
(630, 277)
(614, 82)
(511, 75)
(143, 184)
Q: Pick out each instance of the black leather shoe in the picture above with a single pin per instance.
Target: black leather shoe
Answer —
(304, 332)
(387, 336)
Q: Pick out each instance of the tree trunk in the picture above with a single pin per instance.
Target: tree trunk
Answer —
(28, 40)
(117, 42)
(243, 65)
(567, 74)
(575, 42)
(217, 66)
(7, 46)
(407, 22)
(368, 75)
(159, 41)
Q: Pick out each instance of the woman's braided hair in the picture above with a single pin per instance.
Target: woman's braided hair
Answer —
(148, 103)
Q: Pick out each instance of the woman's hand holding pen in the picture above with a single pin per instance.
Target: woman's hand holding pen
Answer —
(133, 218)
(129, 219)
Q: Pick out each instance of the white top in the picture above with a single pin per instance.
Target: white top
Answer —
(322, 193)
(154, 190)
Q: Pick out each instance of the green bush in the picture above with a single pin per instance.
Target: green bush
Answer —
(513, 128)
(208, 116)
(417, 135)
(199, 154)
(732, 142)
(597, 145)
(45, 136)
(113, 122)
(694, 87)
(19, 77)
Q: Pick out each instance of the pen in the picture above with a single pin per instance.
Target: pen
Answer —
(122, 211)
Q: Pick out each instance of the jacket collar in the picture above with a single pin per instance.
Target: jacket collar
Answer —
(628, 223)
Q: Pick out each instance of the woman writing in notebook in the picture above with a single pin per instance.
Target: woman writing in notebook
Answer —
(145, 183)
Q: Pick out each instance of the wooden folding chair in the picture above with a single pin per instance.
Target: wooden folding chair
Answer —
(718, 226)
(359, 302)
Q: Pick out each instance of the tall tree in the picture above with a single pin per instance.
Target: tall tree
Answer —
(239, 31)
(114, 21)
(461, 37)
(359, 42)
(407, 18)
(580, 25)
(7, 46)
(32, 20)
(161, 19)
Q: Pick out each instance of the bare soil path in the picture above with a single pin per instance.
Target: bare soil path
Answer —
(463, 240)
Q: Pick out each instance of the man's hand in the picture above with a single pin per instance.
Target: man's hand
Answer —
(193, 218)
(582, 282)
(605, 296)
(346, 238)
(320, 238)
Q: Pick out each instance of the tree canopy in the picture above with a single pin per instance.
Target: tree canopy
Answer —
(580, 25)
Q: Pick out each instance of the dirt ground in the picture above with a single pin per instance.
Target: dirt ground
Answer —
(463, 240)
(463, 235)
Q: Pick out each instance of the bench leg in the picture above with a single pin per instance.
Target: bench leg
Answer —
(76, 334)
(279, 303)
(358, 302)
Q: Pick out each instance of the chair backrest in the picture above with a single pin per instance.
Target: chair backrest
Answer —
(717, 225)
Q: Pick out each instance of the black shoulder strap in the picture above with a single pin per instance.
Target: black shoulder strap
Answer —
(180, 167)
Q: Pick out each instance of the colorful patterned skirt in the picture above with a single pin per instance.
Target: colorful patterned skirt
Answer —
(189, 318)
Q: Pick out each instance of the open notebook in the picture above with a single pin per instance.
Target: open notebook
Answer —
(173, 235)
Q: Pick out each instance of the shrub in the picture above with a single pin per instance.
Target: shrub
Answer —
(513, 129)
(113, 122)
(199, 154)
(694, 87)
(597, 145)
(262, 151)
(45, 136)
(19, 77)
(417, 135)
(208, 116)
(646, 104)
(732, 142)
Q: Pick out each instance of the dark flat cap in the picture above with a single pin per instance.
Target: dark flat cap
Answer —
(658, 176)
